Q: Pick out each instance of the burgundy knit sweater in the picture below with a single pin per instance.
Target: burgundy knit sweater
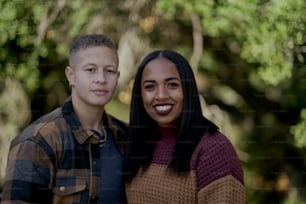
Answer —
(216, 175)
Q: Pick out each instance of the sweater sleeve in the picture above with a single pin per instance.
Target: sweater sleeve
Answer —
(218, 171)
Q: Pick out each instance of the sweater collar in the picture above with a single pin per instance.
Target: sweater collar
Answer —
(168, 132)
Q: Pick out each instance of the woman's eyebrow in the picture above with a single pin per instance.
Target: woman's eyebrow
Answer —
(172, 78)
(148, 81)
(167, 79)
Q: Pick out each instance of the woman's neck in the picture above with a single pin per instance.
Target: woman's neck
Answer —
(168, 131)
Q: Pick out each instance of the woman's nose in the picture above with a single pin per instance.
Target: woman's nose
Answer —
(161, 93)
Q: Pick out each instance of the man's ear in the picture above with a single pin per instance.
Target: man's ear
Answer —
(70, 75)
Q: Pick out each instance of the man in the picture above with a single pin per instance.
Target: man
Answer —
(73, 154)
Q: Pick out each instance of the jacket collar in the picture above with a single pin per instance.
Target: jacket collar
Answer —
(82, 135)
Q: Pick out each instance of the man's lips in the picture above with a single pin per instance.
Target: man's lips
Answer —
(100, 92)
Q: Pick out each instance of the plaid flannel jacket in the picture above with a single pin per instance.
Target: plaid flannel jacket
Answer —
(53, 160)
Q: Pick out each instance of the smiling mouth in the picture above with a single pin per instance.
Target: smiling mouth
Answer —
(163, 109)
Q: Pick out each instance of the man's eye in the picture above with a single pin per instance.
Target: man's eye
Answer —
(90, 69)
(112, 71)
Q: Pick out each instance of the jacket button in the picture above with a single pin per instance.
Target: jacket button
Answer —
(94, 141)
(94, 198)
(62, 188)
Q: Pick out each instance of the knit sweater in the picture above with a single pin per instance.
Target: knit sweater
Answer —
(216, 175)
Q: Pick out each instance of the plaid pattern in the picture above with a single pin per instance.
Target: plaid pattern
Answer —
(52, 160)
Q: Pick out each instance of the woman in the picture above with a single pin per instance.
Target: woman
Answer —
(175, 154)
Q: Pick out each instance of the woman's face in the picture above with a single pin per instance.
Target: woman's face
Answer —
(161, 91)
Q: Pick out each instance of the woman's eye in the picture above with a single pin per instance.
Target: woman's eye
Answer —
(173, 85)
(149, 86)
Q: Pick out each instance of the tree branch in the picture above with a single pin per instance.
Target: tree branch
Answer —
(47, 20)
(197, 42)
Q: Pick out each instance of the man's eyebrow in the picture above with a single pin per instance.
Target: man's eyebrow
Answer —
(90, 64)
(94, 64)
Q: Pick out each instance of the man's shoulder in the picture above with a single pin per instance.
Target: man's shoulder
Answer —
(49, 119)
(120, 125)
(51, 116)
(45, 125)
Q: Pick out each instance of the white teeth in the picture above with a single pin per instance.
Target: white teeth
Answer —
(163, 108)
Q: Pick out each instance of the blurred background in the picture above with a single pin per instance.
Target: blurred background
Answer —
(248, 57)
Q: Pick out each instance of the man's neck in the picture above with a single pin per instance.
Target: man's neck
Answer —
(89, 116)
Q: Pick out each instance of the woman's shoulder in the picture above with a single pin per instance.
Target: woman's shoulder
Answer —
(215, 153)
(214, 145)
(214, 139)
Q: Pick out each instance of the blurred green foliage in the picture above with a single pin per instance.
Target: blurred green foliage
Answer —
(264, 30)
(299, 131)
(28, 34)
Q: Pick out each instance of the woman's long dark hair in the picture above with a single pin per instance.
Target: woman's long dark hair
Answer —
(143, 131)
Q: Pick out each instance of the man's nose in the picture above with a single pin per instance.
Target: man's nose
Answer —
(100, 77)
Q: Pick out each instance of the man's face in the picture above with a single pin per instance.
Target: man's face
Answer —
(93, 75)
